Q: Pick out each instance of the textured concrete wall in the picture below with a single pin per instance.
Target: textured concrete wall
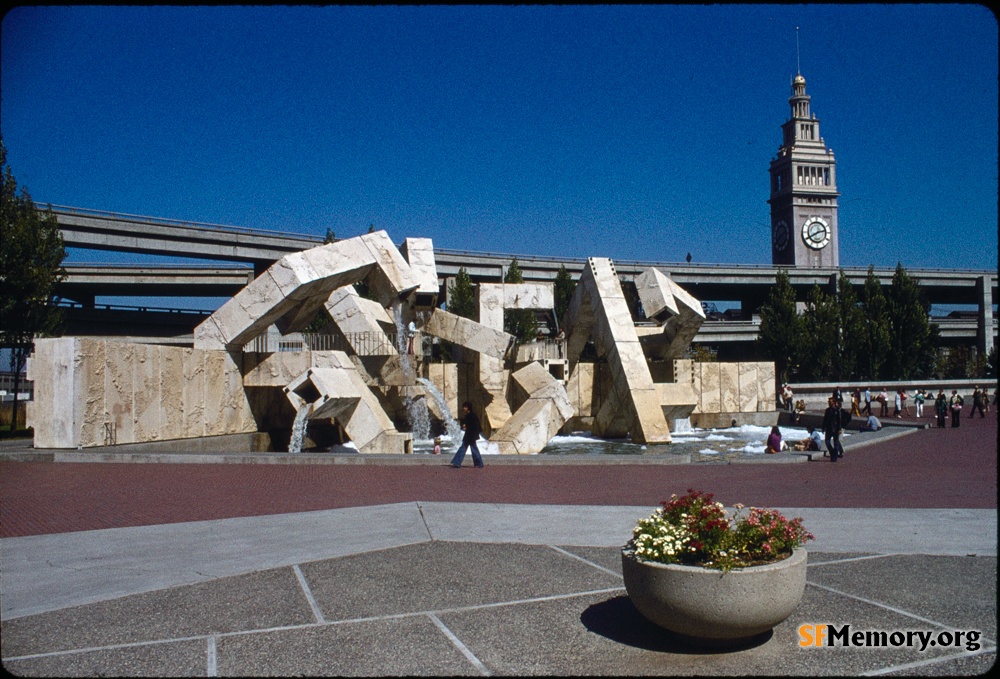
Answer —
(145, 392)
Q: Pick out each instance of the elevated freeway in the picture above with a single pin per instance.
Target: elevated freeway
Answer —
(745, 285)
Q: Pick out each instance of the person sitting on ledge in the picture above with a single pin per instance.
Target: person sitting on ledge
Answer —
(774, 442)
(872, 424)
(800, 409)
(810, 442)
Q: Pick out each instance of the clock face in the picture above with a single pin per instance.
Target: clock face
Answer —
(816, 233)
(780, 235)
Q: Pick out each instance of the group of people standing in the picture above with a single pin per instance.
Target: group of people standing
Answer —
(862, 403)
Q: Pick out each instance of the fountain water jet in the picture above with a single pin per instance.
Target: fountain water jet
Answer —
(299, 428)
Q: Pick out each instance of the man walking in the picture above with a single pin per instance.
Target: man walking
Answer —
(832, 428)
(470, 423)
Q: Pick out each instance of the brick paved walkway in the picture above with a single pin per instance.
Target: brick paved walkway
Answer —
(934, 468)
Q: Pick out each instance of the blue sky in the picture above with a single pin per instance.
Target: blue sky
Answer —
(638, 132)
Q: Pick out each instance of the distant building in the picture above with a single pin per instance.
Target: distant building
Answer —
(803, 191)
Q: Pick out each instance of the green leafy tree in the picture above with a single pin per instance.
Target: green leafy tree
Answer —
(520, 323)
(780, 326)
(462, 297)
(818, 350)
(875, 336)
(563, 291)
(909, 330)
(31, 254)
(850, 348)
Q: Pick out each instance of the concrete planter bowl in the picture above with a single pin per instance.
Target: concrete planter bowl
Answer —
(710, 607)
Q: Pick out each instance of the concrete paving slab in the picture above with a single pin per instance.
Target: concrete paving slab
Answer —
(175, 659)
(410, 646)
(908, 531)
(432, 576)
(48, 572)
(259, 600)
(511, 609)
(532, 524)
(965, 589)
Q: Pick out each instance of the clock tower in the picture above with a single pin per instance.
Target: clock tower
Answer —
(803, 191)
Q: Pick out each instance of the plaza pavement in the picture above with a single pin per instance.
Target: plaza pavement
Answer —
(412, 567)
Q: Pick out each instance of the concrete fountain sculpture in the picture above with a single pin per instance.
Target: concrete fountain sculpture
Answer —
(371, 391)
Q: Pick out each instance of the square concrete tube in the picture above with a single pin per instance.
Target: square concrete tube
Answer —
(540, 418)
(676, 311)
(419, 253)
(361, 321)
(299, 283)
(469, 334)
(634, 394)
(342, 395)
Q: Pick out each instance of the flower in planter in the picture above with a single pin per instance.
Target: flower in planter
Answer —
(694, 530)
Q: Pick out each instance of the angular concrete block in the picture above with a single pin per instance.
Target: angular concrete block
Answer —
(528, 296)
(490, 302)
(290, 289)
(392, 278)
(419, 254)
(677, 400)
(469, 334)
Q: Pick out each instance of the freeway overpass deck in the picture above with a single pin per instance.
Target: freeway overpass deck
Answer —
(747, 285)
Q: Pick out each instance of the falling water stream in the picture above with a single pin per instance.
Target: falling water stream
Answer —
(452, 427)
(299, 428)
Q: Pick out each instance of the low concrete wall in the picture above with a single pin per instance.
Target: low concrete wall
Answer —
(815, 394)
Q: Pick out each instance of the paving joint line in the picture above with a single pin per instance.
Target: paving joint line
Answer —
(470, 656)
(317, 613)
(928, 661)
(900, 611)
(212, 669)
(586, 561)
(328, 623)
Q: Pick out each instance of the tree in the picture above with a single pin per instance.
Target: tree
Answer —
(563, 291)
(461, 297)
(31, 254)
(520, 323)
(875, 328)
(909, 330)
(780, 327)
(819, 346)
(850, 348)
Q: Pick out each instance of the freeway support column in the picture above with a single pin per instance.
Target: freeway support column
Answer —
(984, 326)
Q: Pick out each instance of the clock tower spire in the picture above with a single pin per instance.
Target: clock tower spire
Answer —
(803, 191)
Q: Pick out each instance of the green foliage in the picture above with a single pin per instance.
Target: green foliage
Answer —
(520, 323)
(991, 363)
(563, 291)
(31, 254)
(780, 326)
(818, 350)
(909, 330)
(852, 319)
(462, 297)
(875, 343)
